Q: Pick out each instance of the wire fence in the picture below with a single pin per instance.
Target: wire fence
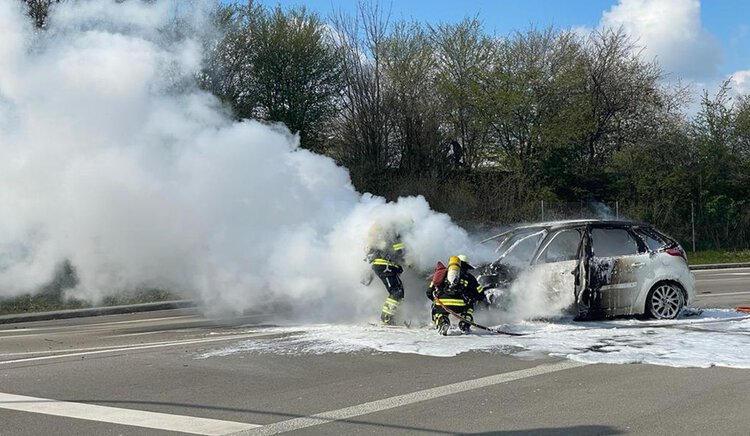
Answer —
(696, 225)
(488, 201)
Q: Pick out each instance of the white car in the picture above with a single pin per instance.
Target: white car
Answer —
(611, 268)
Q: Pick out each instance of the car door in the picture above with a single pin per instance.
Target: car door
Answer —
(617, 269)
(556, 262)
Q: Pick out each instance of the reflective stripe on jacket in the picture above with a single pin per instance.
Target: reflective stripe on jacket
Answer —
(385, 262)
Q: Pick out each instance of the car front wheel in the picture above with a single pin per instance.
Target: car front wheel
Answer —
(665, 301)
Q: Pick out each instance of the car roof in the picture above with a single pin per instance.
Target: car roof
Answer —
(562, 224)
(579, 222)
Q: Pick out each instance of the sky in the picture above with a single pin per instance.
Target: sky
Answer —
(698, 42)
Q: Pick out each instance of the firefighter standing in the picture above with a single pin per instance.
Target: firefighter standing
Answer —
(385, 253)
(456, 291)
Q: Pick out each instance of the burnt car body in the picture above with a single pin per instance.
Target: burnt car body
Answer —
(611, 268)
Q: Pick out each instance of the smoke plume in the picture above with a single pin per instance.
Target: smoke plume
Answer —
(112, 160)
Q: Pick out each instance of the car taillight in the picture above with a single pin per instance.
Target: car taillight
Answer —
(676, 252)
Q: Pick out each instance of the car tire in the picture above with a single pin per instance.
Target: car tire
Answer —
(665, 301)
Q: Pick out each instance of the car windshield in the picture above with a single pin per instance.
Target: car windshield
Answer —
(518, 247)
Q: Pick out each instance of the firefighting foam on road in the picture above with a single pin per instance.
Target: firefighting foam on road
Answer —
(115, 161)
(715, 338)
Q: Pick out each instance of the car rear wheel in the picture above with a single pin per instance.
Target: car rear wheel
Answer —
(665, 301)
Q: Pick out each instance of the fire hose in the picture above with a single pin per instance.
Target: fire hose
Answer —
(470, 322)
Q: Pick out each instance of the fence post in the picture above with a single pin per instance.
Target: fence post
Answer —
(692, 221)
(542, 210)
(617, 209)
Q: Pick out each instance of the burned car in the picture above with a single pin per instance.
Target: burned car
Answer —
(599, 268)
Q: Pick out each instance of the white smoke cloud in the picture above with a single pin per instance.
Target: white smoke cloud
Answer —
(740, 82)
(111, 162)
(670, 31)
(538, 294)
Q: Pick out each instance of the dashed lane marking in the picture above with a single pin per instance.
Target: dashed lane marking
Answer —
(130, 417)
(402, 400)
(90, 351)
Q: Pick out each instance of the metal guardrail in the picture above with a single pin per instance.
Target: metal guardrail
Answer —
(719, 266)
(178, 304)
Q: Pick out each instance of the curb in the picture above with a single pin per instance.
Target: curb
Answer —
(96, 311)
(719, 266)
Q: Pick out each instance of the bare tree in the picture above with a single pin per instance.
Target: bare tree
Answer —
(409, 66)
(463, 54)
(363, 129)
(623, 93)
(39, 10)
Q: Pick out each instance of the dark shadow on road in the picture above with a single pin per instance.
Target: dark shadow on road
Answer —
(578, 430)
(282, 415)
(581, 430)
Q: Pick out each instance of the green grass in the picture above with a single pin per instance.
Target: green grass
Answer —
(49, 301)
(714, 256)
(52, 295)
(37, 303)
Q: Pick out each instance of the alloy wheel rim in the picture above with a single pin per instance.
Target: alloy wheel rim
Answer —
(666, 302)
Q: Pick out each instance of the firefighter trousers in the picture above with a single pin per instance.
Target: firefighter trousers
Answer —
(390, 276)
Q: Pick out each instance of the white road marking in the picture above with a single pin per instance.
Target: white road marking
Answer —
(139, 334)
(703, 271)
(70, 350)
(131, 321)
(18, 336)
(113, 415)
(101, 325)
(90, 351)
(721, 279)
(16, 330)
(402, 400)
(722, 294)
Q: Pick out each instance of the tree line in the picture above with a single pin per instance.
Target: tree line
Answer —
(486, 126)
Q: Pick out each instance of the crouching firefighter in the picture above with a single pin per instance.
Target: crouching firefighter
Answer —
(385, 254)
(453, 290)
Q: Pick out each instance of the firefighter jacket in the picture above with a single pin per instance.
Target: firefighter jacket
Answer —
(465, 292)
(387, 253)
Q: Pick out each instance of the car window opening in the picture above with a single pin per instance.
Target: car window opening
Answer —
(613, 242)
(520, 248)
(562, 246)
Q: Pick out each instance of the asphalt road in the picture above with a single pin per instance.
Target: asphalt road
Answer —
(723, 287)
(141, 374)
